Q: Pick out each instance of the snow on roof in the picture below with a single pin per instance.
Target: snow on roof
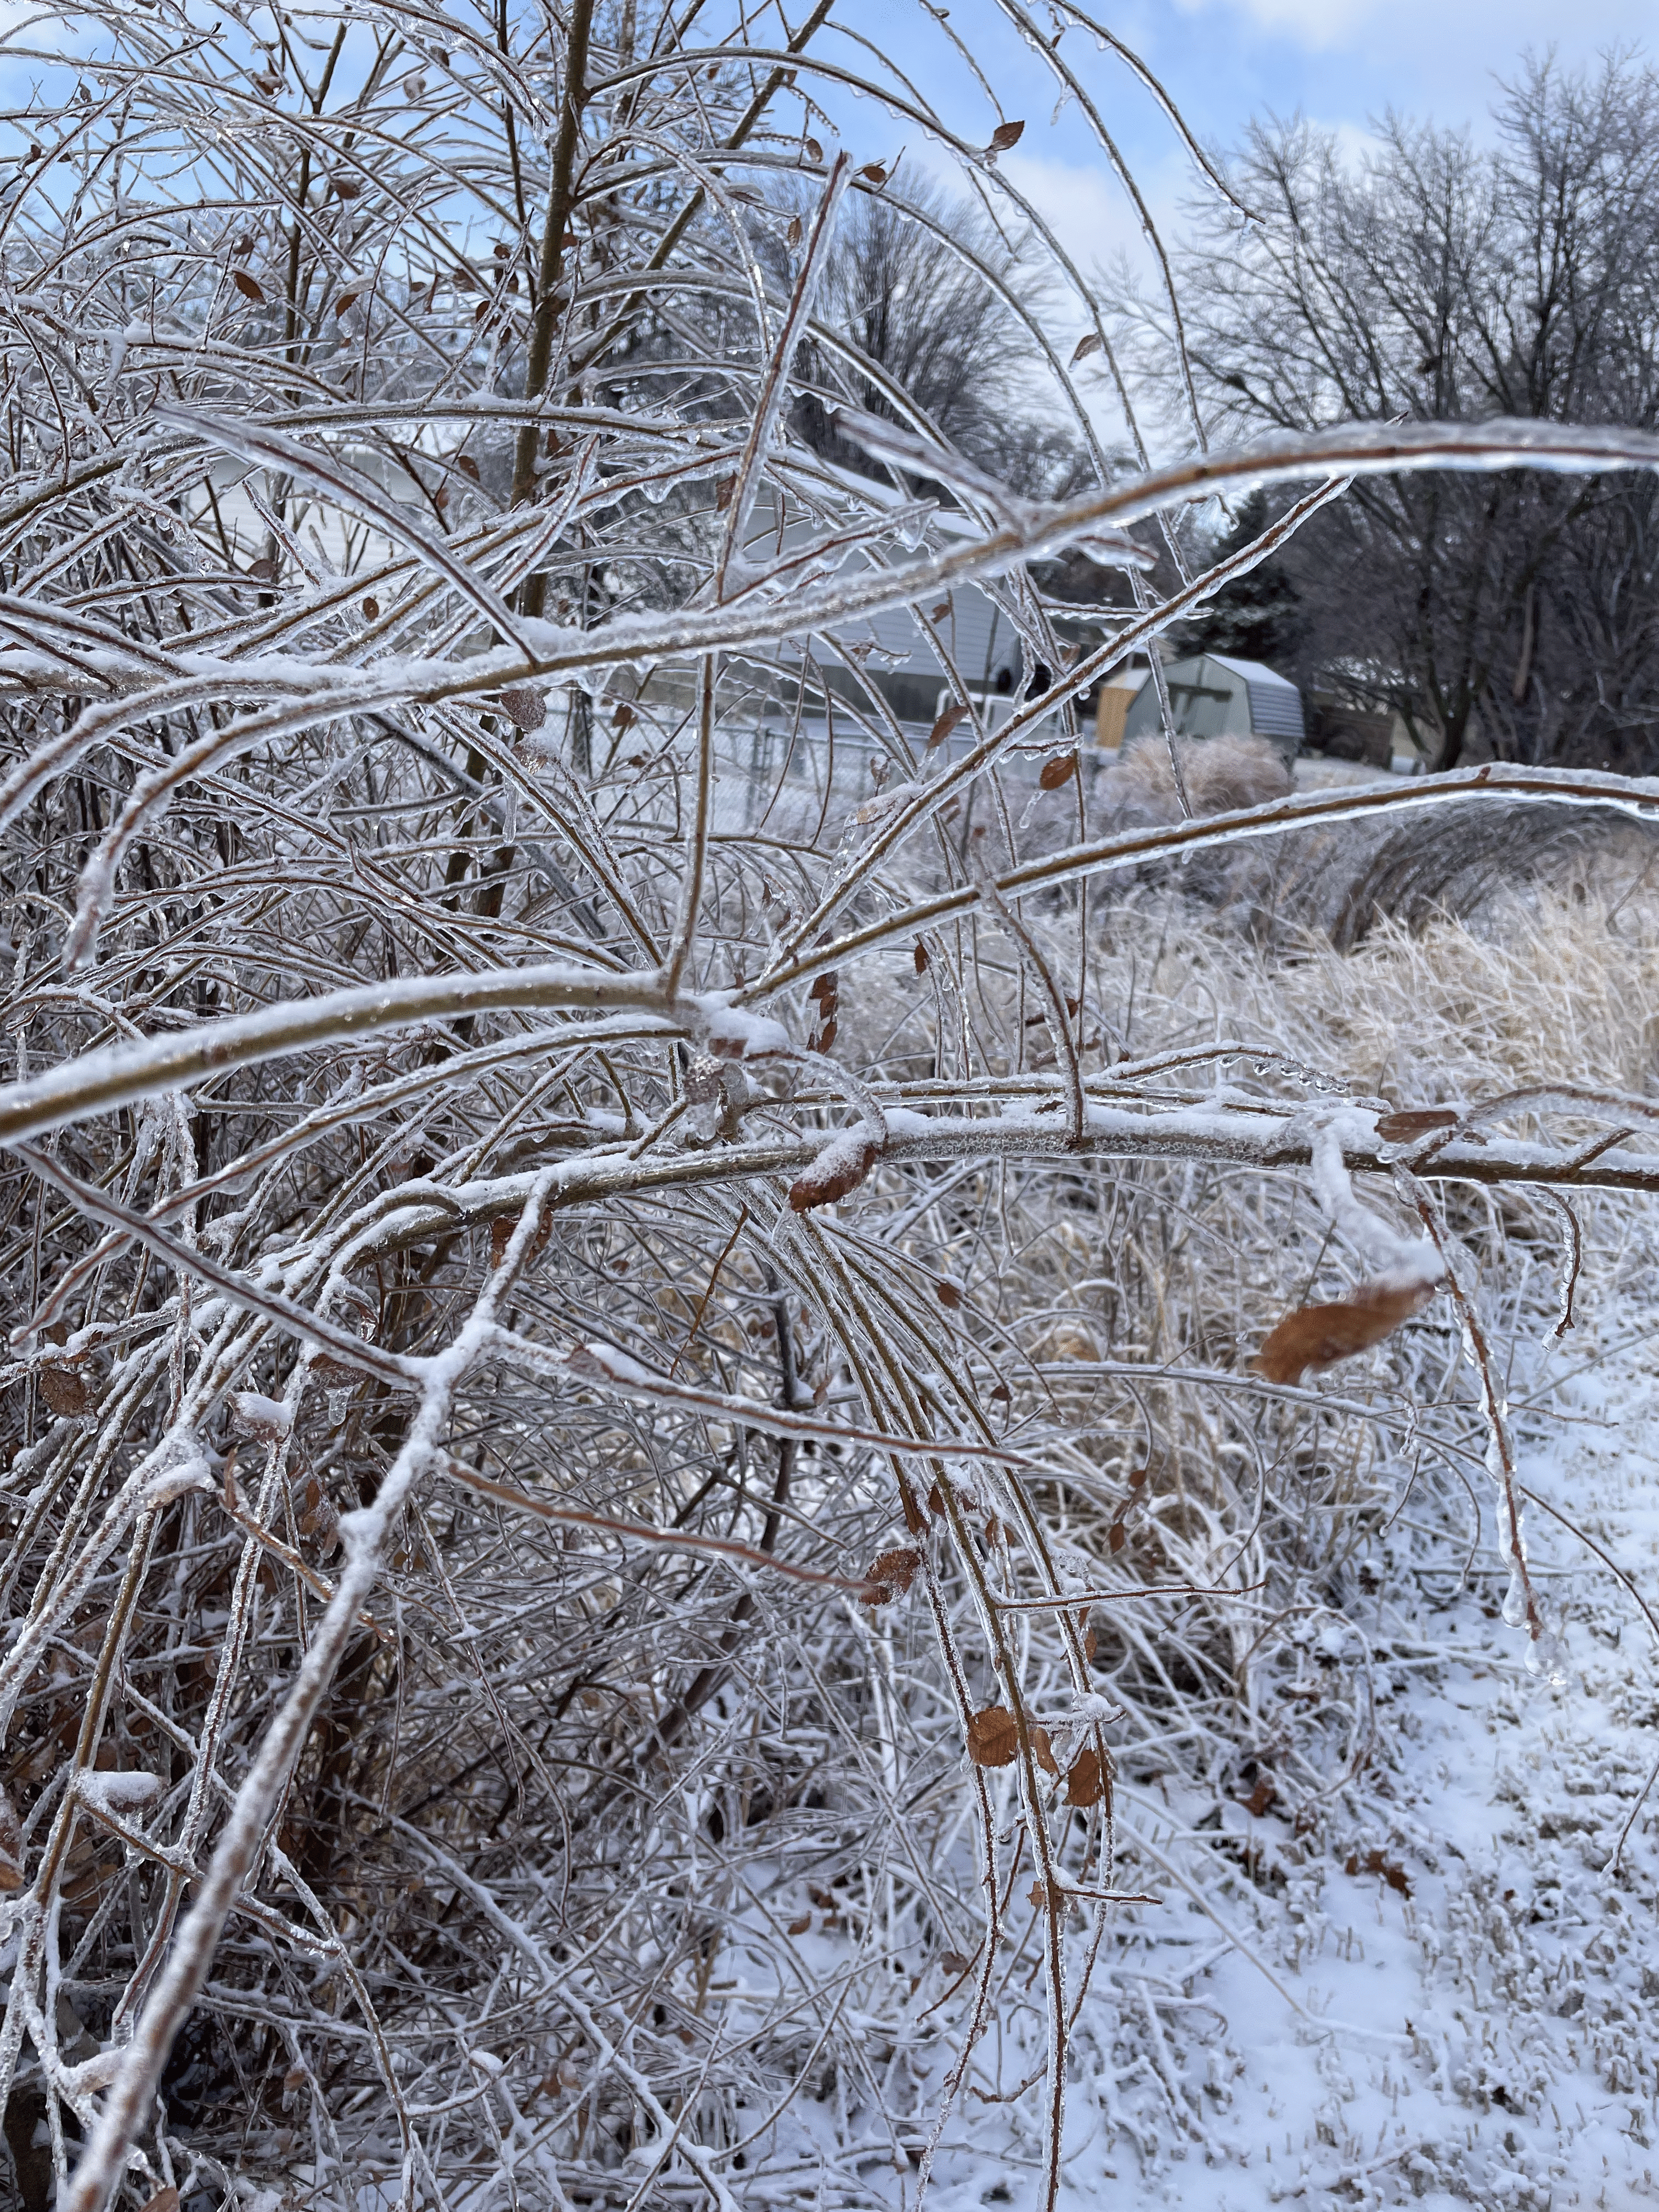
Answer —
(1275, 702)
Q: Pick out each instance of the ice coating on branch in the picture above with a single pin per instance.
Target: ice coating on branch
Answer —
(1402, 1263)
(732, 1033)
(267, 1418)
(178, 1481)
(610, 1361)
(126, 1792)
(839, 1169)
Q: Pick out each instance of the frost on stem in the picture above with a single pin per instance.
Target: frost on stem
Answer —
(460, 517)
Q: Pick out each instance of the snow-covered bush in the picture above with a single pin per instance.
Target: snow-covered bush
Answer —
(622, 1413)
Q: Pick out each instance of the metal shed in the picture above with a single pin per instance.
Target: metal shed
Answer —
(1213, 695)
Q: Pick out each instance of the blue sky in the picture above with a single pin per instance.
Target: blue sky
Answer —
(1339, 61)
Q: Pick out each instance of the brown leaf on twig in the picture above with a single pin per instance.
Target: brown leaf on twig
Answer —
(839, 1169)
(64, 1390)
(524, 706)
(992, 1738)
(1057, 771)
(1085, 1783)
(792, 235)
(247, 286)
(1088, 343)
(1044, 1750)
(947, 722)
(1005, 136)
(1315, 1337)
(890, 1576)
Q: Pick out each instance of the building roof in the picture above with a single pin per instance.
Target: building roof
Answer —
(1275, 702)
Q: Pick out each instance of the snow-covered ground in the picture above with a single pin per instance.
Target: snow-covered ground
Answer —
(1454, 1996)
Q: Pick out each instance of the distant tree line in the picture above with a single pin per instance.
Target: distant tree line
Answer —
(1514, 616)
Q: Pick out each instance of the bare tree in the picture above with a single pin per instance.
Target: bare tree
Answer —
(1443, 282)
(938, 303)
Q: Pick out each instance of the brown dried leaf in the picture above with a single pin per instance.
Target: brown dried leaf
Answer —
(348, 188)
(64, 1390)
(725, 491)
(526, 706)
(948, 1295)
(920, 958)
(1088, 343)
(1057, 771)
(1317, 1337)
(954, 1962)
(1260, 1798)
(992, 1738)
(890, 1576)
(1415, 1122)
(839, 1169)
(467, 466)
(1044, 1750)
(1378, 1863)
(1005, 136)
(798, 1926)
(814, 151)
(247, 286)
(874, 171)
(1085, 1784)
(947, 722)
(825, 987)
(792, 235)
(372, 608)
(165, 2200)
(346, 302)
(825, 1037)
(1116, 1537)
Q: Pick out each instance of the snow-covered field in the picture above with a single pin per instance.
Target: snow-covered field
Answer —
(1448, 1993)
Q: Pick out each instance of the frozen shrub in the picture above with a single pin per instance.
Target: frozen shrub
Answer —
(570, 1340)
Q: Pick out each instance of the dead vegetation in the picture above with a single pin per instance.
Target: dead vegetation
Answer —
(575, 1372)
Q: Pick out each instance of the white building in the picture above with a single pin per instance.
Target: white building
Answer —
(1213, 695)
